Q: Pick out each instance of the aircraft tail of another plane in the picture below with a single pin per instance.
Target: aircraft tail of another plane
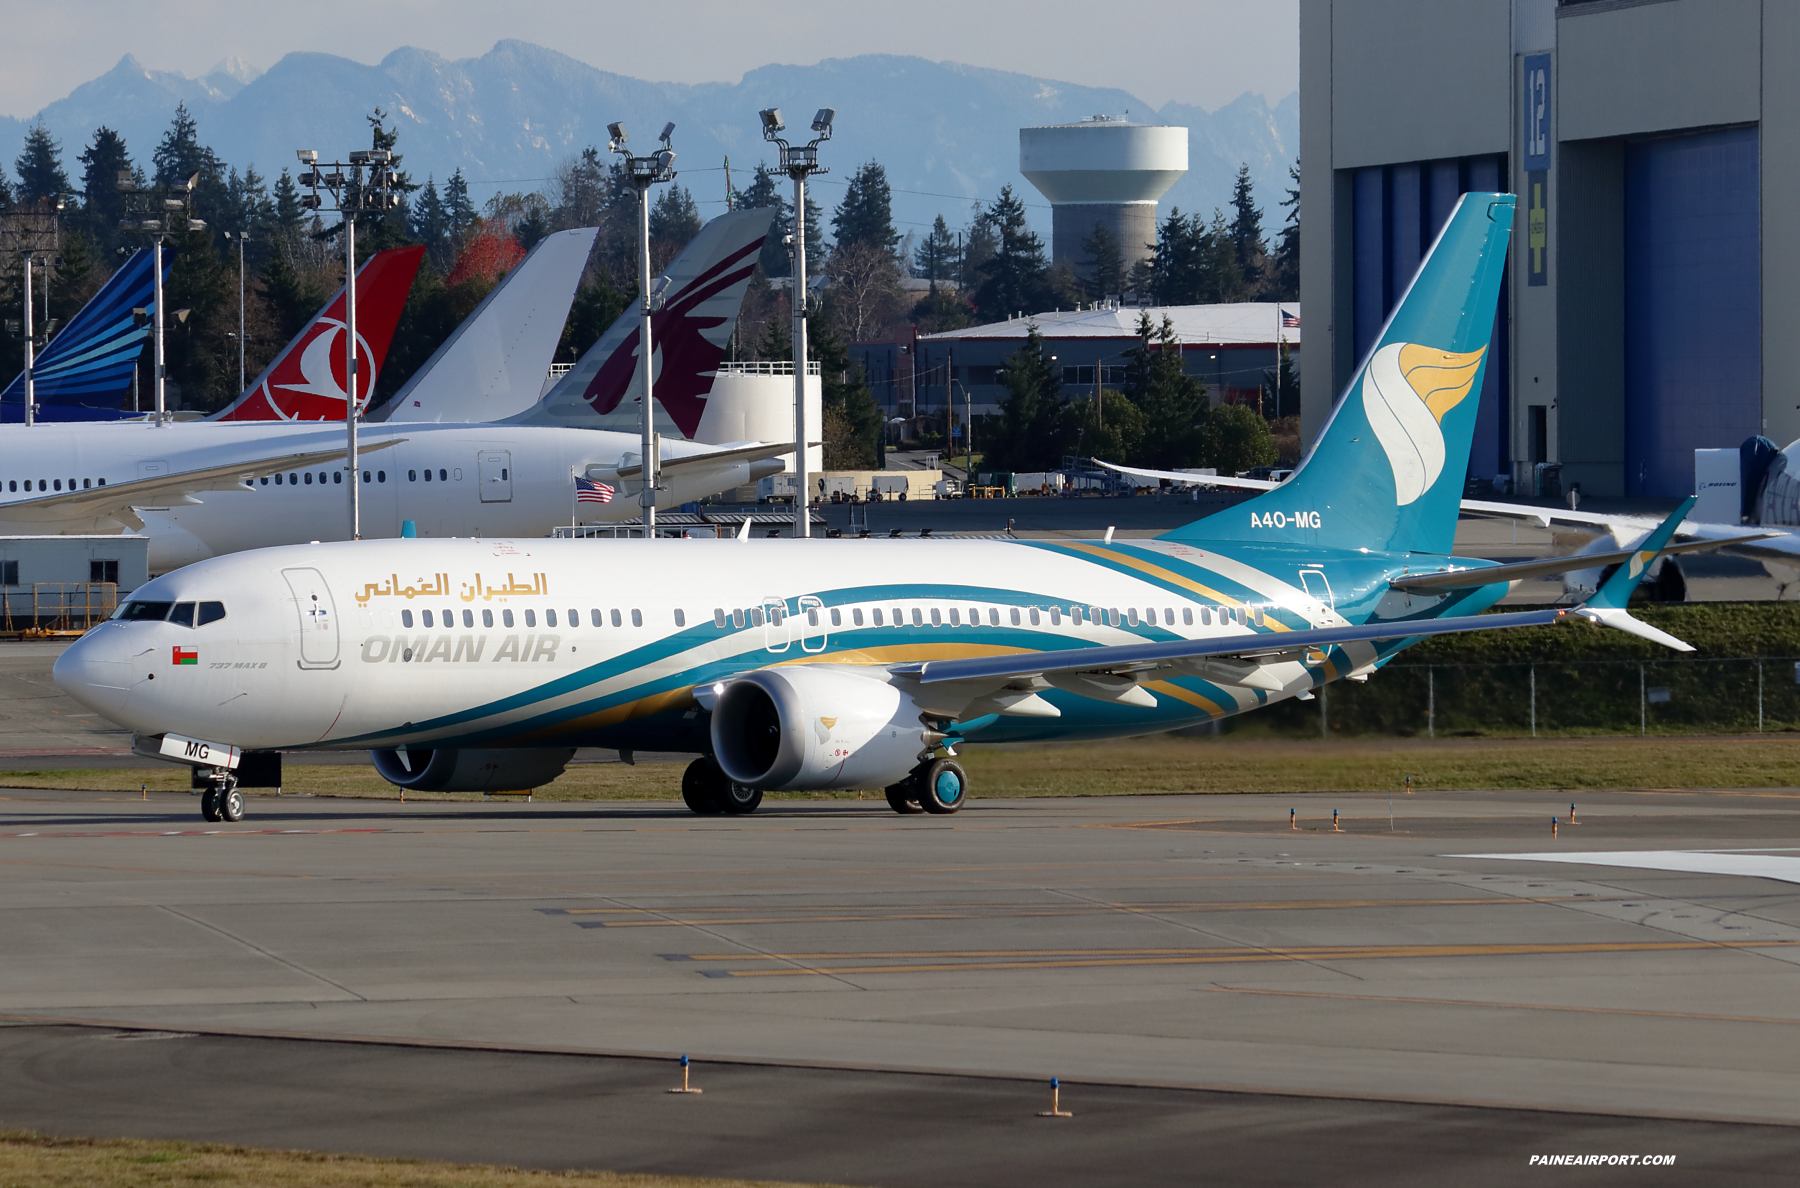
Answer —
(305, 382)
(494, 365)
(698, 299)
(84, 374)
(1388, 470)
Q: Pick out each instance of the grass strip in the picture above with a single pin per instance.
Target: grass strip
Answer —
(52, 1162)
(1158, 764)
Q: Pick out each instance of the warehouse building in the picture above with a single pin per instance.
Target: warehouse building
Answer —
(1231, 349)
(1655, 149)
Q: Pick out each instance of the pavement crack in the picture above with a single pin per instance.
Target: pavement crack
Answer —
(260, 951)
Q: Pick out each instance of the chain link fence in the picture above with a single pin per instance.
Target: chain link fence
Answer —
(1582, 697)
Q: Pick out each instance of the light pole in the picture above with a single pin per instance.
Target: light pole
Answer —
(644, 172)
(799, 162)
(240, 237)
(362, 185)
(177, 202)
(36, 233)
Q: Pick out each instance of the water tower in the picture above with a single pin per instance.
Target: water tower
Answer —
(1103, 171)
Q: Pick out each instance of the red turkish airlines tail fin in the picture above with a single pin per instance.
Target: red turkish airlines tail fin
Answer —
(305, 382)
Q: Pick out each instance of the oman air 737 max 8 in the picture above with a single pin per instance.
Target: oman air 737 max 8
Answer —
(813, 664)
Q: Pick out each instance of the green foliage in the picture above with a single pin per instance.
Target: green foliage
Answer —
(674, 220)
(1284, 279)
(289, 214)
(1114, 430)
(1235, 437)
(1014, 280)
(935, 259)
(200, 357)
(866, 214)
(1173, 403)
(292, 299)
(598, 304)
(1105, 264)
(980, 242)
(1031, 427)
(941, 310)
(844, 392)
(1195, 263)
(102, 204)
(39, 167)
(1246, 230)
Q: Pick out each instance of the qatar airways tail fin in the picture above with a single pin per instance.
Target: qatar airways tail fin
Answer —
(697, 302)
(84, 374)
(305, 382)
(494, 365)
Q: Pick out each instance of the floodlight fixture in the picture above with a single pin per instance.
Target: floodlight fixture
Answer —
(771, 121)
(192, 181)
(359, 156)
(665, 162)
(618, 134)
(668, 131)
(307, 156)
(822, 121)
(125, 182)
(379, 156)
(196, 224)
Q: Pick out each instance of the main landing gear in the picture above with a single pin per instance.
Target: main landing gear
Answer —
(220, 800)
(935, 786)
(708, 791)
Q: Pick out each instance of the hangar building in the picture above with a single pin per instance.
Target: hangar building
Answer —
(1655, 149)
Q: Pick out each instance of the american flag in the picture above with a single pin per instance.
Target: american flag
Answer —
(589, 491)
(1290, 321)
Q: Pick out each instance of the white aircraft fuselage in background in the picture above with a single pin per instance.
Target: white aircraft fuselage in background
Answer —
(486, 480)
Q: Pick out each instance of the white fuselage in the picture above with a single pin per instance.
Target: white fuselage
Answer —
(572, 642)
(485, 480)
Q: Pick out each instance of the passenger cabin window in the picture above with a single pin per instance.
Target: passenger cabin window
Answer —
(425, 617)
(550, 618)
(637, 617)
(856, 616)
(616, 621)
(406, 618)
(1187, 616)
(487, 618)
(918, 619)
(574, 617)
(718, 616)
(1056, 616)
(506, 618)
(680, 618)
(594, 616)
(530, 618)
(737, 616)
(1015, 616)
(877, 613)
(468, 618)
(937, 619)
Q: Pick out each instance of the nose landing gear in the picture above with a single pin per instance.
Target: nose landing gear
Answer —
(221, 800)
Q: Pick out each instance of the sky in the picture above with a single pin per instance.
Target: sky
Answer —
(1201, 52)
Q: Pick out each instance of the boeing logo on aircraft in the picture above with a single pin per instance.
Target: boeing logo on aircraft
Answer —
(1407, 390)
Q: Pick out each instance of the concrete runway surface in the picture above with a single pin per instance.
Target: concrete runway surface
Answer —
(1223, 996)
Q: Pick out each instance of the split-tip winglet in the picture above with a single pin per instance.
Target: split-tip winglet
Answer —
(1607, 606)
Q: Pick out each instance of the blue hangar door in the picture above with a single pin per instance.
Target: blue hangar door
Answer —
(1693, 304)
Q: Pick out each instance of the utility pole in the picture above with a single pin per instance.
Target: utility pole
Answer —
(177, 202)
(800, 162)
(240, 236)
(644, 172)
(362, 185)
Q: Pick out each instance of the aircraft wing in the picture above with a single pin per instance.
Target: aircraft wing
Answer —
(116, 503)
(1466, 579)
(750, 453)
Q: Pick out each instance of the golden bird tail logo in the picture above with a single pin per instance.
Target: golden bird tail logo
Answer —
(1407, 390)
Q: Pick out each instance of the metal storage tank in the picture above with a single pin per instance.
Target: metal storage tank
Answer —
(1103, 171)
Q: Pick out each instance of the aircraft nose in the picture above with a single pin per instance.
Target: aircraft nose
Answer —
(95, 671)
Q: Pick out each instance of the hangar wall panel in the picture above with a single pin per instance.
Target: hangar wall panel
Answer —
(1781, 231)
(1418, 79)
(1586, 401)
(1658, 67)
(1693, 303)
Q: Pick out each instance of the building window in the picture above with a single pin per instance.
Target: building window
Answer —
(9, 573)
(103, 571)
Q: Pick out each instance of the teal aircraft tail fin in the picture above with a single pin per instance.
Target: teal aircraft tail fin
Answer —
(1387, 473)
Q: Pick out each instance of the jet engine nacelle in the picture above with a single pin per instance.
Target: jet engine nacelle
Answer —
(471, 771)
(815, 727)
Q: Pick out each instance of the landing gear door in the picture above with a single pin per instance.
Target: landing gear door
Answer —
(318, 618)
(495, 468)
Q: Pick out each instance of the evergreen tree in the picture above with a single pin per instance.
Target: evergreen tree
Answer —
(289, 214)
(941, 310)
(1015, 280)
(1105, 265)
(1112, 430)
(1175, 260)
(6, 191)
(980, 242)
(40, 167)
(1246, 230)
(763, 191)
(598, 304)
(292, 300)
(1285, 283)
(935, 259)
(1221, 278)
(674, 220)
(102, 204)
(1173, 402)
(866, 214)
(1029, 436)
(457, 204)
(181, 156)
(844, 392)
(388, 228)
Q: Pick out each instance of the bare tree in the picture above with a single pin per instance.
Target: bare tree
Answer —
(865, 290)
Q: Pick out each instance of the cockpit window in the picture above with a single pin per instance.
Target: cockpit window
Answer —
(183, 614)
(135, 610)
(211, 612)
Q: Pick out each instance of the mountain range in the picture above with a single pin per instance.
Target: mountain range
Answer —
(946, 133)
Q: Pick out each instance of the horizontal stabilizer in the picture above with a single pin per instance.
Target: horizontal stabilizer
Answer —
(1469, 579)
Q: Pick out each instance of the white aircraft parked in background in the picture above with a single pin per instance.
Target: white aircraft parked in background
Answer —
(279, 482)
